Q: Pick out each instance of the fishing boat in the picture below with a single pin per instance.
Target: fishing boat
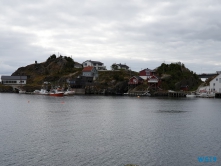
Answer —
(56, 92)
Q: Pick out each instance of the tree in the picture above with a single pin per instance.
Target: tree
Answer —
(52, 57)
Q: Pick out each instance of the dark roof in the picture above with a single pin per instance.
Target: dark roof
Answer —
(14, 77)
(148, 70)
(121, 65)
(76, 63)
(138, 77)
(95, 62)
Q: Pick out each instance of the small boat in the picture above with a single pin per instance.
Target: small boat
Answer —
(56, 92)
(192, 94)
(146, 94)
(203, 95)
(41, 92)
(36, 92)
(69, 92)
(211, 95)
(22, 91)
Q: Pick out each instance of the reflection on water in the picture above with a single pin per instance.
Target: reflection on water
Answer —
(171, 111)
(107, 130)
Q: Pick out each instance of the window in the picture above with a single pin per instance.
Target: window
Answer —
(214, 84)
(217, 79)
(220, 80)
(147, 72)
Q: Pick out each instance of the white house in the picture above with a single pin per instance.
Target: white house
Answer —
(215, 84)
(90, 71)
(14, 80)
(119, 66)
(98, 65)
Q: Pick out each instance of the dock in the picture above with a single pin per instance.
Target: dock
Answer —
(170, 94)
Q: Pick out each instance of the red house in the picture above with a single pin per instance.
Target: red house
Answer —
(151, 77)
(153, 81)
(184, 87)
(135, 80)
(146, 73)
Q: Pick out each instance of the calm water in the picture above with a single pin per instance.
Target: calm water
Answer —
(108, 131)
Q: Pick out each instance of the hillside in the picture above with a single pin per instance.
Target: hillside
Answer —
(174, 76)
(113, 82)
(55, 70)
(58, 69)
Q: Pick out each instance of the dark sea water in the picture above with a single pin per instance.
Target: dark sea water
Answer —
(108, 131)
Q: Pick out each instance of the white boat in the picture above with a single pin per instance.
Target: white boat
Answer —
(36, 92)
(192, 94)
(146, 94)
(22, 91)
(41, 92)
(202, 95)
(69, 92)
(211, 95)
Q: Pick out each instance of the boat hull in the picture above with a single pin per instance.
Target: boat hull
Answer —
(56, 94)
(190, 95)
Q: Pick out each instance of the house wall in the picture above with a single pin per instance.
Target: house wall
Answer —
(121, 67)
(133, 80)
(215, 84)
(88, 74)
(145, 74)
(92, 73)
(204, 89)
(14, 82)
(87, 63)
(96, 65)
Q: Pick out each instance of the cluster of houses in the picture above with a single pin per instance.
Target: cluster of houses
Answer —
(90, 73)
(147, 75)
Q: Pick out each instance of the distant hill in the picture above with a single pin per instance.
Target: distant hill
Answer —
(175, 75)
(54, 69)
(58, 69)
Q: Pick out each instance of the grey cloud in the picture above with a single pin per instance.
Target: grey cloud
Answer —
(94, 29)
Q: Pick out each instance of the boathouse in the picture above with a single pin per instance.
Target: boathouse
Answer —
(135, 80)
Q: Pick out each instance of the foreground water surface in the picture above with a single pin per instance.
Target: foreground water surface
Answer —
(107, 130)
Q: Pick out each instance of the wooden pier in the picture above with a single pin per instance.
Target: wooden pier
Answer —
(177, 94)
(138, 93)
(170, 94)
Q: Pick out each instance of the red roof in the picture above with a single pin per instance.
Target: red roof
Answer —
(88, 68)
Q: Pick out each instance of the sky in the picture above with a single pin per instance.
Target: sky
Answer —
(140, 33)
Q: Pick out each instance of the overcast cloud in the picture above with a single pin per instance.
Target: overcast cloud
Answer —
(140, 33)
